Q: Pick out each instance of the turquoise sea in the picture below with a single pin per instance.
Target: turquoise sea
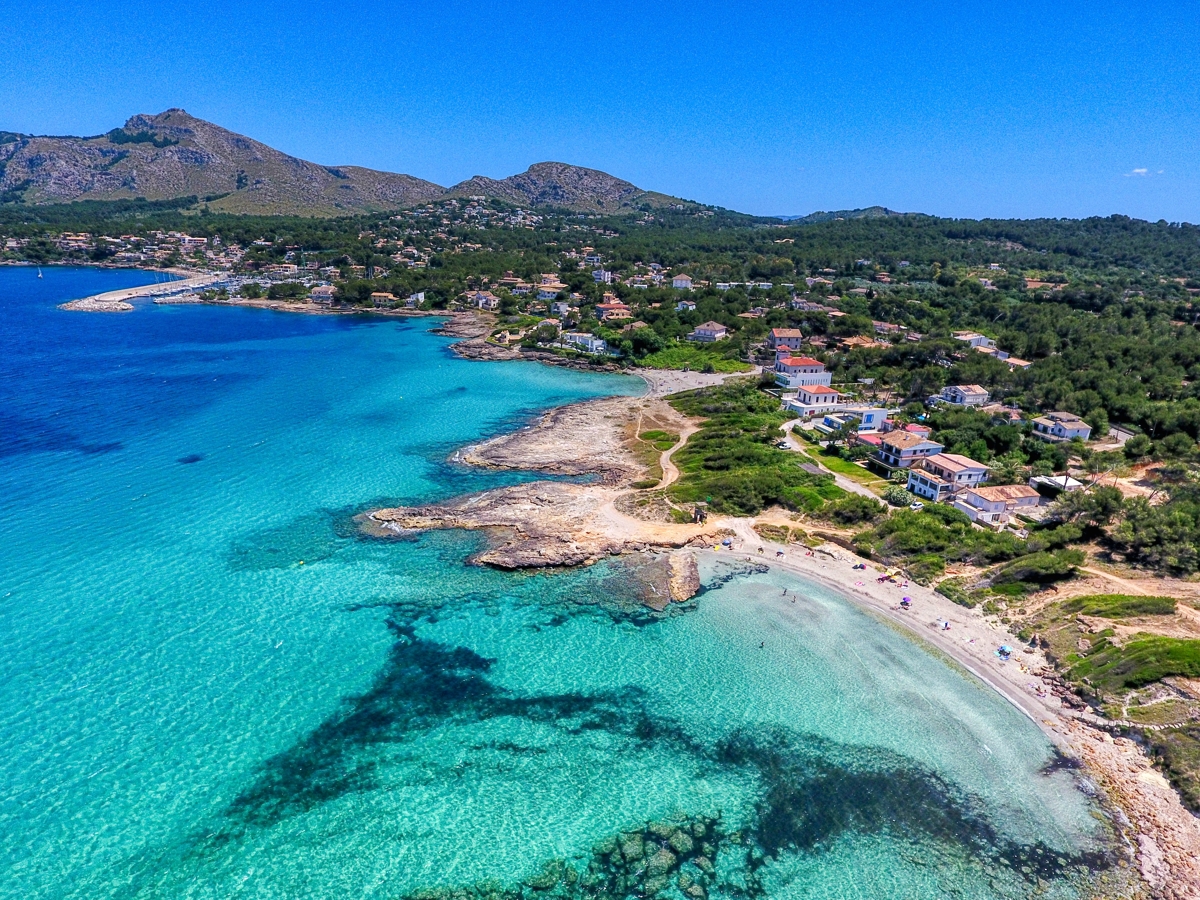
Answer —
(212, 686)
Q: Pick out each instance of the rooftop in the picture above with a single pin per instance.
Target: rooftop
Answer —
(953, 462)
(903, 440)
(1005, 492)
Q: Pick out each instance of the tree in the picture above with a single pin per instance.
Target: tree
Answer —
(895, 495)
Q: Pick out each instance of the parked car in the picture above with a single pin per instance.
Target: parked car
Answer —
(916, 507)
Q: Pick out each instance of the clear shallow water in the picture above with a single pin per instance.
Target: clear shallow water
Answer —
(211, 685)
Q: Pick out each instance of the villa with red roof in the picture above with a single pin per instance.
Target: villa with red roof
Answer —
(800, 371)
(813, 399)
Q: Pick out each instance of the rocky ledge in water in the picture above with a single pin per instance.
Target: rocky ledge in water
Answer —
(675, 858)
(89, 304)
(556, 523)
(539, 525)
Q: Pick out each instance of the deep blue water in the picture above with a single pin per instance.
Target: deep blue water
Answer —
(212, 684)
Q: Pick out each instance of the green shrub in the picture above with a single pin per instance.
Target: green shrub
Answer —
(853, 509)
(1141, 661)
(1119, 606)
(896, 495)
(1042, 566)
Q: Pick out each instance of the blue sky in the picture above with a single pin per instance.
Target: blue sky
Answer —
(958, 109)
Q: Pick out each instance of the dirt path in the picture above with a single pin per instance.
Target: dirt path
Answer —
(1131, 587)
(670, 470)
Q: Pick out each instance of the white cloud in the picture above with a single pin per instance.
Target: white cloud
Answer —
(1137, 173)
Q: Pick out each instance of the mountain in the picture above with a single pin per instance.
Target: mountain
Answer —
(870, 212)
(561, 185)
(173, 155)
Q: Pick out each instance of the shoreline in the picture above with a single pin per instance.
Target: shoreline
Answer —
(530, 524)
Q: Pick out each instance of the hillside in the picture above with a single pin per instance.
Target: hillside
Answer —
(871, 212)
(174, 154)
(561, 185)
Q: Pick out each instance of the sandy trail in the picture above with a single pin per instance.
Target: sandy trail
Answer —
(670, 470)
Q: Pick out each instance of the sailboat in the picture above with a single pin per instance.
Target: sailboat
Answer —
(39, 271)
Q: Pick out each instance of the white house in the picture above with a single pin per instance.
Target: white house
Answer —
(681, 282)
(602, 276)
(964, 395)
(814, 399)
(587, 342)
(483, 300)
(995, 505)
(1061, 426)
(973, 339)
(785, 339)
(944, 475)
(709, 332)
(797, 371)
(863, 419)
(689, 305)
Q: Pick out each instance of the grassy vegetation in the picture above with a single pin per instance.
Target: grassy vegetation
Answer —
(662, 441)
(697, 357)
(853, 509)
(732, 462)
(1147, 658)
(782, 534)
(834, 463)
(1119, 606)
(1124, 679)
(923, 542)
(1178, 751)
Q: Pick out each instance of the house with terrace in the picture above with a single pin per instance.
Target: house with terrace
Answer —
(785, 339)
(963, 395)
(709, 333)
(996, 505)
(901, 449)
(862, 419)
(1061, 426)
(943, 476)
